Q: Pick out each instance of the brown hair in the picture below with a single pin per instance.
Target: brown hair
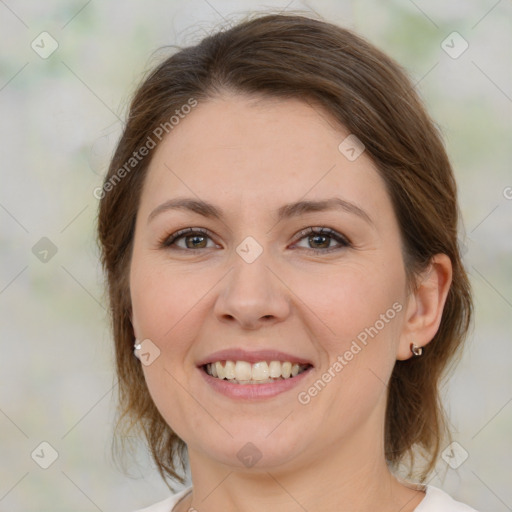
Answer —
(292, 56)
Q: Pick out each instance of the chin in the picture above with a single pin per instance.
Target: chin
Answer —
(254, 448)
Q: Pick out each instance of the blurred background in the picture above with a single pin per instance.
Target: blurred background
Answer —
(67, 69)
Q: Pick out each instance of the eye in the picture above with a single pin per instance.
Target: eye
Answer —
(322, 237)
(197, 238)
(194, 238)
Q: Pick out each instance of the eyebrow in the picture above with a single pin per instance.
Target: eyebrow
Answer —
(287, 211)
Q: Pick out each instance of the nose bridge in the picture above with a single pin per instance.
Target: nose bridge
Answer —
(251, 293)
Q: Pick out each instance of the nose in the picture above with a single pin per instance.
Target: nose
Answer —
(252, 295)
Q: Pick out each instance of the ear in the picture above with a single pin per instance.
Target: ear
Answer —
(425, 306)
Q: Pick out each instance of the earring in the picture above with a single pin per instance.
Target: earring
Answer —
(417, 351)
(136, 349)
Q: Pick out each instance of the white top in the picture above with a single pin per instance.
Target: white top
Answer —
(435, 500)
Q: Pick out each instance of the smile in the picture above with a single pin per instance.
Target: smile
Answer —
(261, 372)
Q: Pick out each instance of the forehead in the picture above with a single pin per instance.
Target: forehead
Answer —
(245, 150)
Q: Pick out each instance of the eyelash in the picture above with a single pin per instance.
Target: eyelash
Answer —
(344, 242)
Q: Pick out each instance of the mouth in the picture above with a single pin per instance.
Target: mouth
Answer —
(260, 372)
(240, 374)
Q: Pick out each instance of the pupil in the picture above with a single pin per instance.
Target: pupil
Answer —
(194, 240)
(316, 237)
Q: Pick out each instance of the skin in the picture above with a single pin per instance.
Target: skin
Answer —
(249, 156)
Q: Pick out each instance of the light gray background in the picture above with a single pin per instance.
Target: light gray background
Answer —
(60, 118)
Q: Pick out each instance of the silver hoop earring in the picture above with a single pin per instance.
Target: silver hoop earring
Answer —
(417, 351)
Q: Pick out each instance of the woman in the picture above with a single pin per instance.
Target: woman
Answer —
(279, 233)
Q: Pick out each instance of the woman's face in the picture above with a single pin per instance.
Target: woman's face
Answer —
(250, 283)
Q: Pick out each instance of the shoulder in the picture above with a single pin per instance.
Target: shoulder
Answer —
(437, 500)
(167, 504)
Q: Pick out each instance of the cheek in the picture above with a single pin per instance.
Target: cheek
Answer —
(362, 306)
(354, 298)
(360, 311)
(159, 299)
(147, 304)
(161, 311)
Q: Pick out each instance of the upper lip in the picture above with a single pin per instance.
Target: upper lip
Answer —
(240, 354)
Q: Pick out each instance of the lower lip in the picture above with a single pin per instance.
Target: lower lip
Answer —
(253, 391)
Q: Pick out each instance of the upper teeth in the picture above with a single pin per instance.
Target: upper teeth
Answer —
(261, 371)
